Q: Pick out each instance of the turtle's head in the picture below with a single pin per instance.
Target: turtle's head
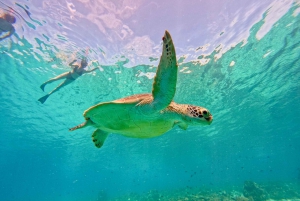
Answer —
(198, 115)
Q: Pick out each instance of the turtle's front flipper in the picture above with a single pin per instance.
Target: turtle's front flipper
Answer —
(181, 125)
(164, 84)
(99, 137)
(88, 122)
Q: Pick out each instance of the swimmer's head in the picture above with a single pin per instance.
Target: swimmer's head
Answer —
(84, 62)
(9, 18)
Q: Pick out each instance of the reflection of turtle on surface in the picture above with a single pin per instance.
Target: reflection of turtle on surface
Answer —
(146, 115)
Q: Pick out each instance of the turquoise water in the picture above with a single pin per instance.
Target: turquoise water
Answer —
(251, 88)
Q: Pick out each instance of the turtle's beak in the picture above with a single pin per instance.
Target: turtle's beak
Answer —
(209, 119)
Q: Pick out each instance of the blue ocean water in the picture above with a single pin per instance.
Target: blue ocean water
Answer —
(251, 87)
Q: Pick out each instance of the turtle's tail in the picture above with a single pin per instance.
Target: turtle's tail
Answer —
(84, 124)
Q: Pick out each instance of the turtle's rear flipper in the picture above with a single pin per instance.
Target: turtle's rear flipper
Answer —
(99, 137)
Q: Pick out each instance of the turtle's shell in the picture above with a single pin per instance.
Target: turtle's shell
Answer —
(126, 117)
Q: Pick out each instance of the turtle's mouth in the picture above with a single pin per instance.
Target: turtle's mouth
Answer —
(209, 119)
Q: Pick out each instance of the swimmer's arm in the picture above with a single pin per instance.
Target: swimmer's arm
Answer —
(8, 34)
(71, 64)
(88, 71)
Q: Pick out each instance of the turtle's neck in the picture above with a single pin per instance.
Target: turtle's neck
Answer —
(177, 109)
(178, 114)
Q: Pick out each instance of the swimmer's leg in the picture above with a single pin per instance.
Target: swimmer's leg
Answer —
(61, 76)
(64, 83)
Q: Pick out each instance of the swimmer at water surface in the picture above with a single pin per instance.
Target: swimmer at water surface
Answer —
(6, 25)
(69, 77)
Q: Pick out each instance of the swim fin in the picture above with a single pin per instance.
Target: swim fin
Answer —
(44, 98)
(43, 86)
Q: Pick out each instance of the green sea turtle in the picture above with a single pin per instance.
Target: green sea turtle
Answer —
(146, 115)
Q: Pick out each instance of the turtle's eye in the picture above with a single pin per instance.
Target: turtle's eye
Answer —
(205, 112)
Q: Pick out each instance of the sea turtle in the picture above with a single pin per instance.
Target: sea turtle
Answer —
(146, 115)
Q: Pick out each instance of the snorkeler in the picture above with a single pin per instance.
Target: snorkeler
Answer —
(69, 77)
(6, 25)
